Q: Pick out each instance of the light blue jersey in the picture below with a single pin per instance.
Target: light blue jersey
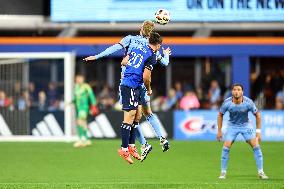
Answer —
(238, 112)
(239, 122)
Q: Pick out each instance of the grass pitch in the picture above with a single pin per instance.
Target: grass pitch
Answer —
(186, 165)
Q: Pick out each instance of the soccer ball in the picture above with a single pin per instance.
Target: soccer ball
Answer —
(162, 16)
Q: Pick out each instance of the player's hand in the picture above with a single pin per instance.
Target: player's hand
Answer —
(94, 110)
(167, 51)
(89, 58)
(149, 92)
(258, 137)
(219, 135)
(125, 60)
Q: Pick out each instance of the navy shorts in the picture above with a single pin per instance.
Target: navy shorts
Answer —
(129, 98)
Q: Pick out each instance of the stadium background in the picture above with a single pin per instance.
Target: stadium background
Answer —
(214, 44)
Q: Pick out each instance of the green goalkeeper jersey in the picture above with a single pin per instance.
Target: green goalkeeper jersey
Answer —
(84, 96)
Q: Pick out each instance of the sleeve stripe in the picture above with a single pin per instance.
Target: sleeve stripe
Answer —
(121, 45)
(149, 68)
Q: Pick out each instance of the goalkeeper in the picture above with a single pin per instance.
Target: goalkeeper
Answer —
(85, 103)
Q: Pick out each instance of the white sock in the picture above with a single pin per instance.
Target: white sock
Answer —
(131, 145)
(124, 149)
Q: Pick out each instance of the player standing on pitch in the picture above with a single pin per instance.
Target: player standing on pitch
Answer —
(238, 107)
(85, 102)
(137, 71)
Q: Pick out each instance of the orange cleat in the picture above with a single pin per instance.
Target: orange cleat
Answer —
(133, 151)
(125, 155)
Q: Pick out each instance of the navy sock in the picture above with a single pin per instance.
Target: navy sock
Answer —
(125, 133)
(133, 133)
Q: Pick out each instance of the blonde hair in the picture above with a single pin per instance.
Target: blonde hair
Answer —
(147, 28)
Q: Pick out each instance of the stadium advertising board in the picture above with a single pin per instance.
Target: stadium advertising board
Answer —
(202, 125)
(181, 10)
(105, 125)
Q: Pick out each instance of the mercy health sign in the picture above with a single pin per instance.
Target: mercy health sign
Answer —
(181, 10)
(202, 125)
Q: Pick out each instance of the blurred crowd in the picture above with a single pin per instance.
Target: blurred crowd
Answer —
(19, 98)
(267, 91)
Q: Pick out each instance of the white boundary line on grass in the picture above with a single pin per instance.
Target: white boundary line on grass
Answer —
(18, 138)
(261, 182)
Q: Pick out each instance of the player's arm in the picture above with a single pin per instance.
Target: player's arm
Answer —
(147, 72)
(110, 50)
(253, 109)
(220, 123)
(147, 80)
(125, 60)
(221, 113)
(166, 59)
(93, 108)
(258, 125)
(91, 95)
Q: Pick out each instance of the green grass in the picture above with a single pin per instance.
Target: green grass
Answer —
(186, 165)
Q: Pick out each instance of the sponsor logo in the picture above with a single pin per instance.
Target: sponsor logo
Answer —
(197, 125)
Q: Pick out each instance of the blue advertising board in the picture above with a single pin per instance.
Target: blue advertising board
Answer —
(181, 10)
(202, 125)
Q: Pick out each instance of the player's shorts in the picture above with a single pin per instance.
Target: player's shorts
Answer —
(129, 98)
(144, 97)
(246, 131)
(82, 113)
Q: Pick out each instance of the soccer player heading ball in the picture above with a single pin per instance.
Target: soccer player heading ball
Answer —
(128, 43)
(238, 107)
(137, 71)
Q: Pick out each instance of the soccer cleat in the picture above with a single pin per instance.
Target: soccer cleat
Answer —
(125, 155)
(262, 176)
(145, 150)
(223, 175)
(165, 144)
(88, 143)
(133, 151)
(78, 144)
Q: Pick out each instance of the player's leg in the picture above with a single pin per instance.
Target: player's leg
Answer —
(145, 147)
(153, 119)
(125, 128)
(249, 135)
(229, 138)
(131, 146)
(139, 134)
(82, 129)
(129, 98)
(156, 124)
(225, 158)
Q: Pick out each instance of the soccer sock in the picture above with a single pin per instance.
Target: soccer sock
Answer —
(225, 158)
(79, 131)
(258, 158)
(155, 123)
(85, 133)
(125, 133)
(140, 135)
(133, 133)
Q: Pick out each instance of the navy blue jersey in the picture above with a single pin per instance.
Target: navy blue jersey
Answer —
(139, 58)
(238, 112)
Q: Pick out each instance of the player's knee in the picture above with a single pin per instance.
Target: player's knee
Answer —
(253, 143)
(138, 118)
(147, 112)
(227, 144)
(129, 116)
